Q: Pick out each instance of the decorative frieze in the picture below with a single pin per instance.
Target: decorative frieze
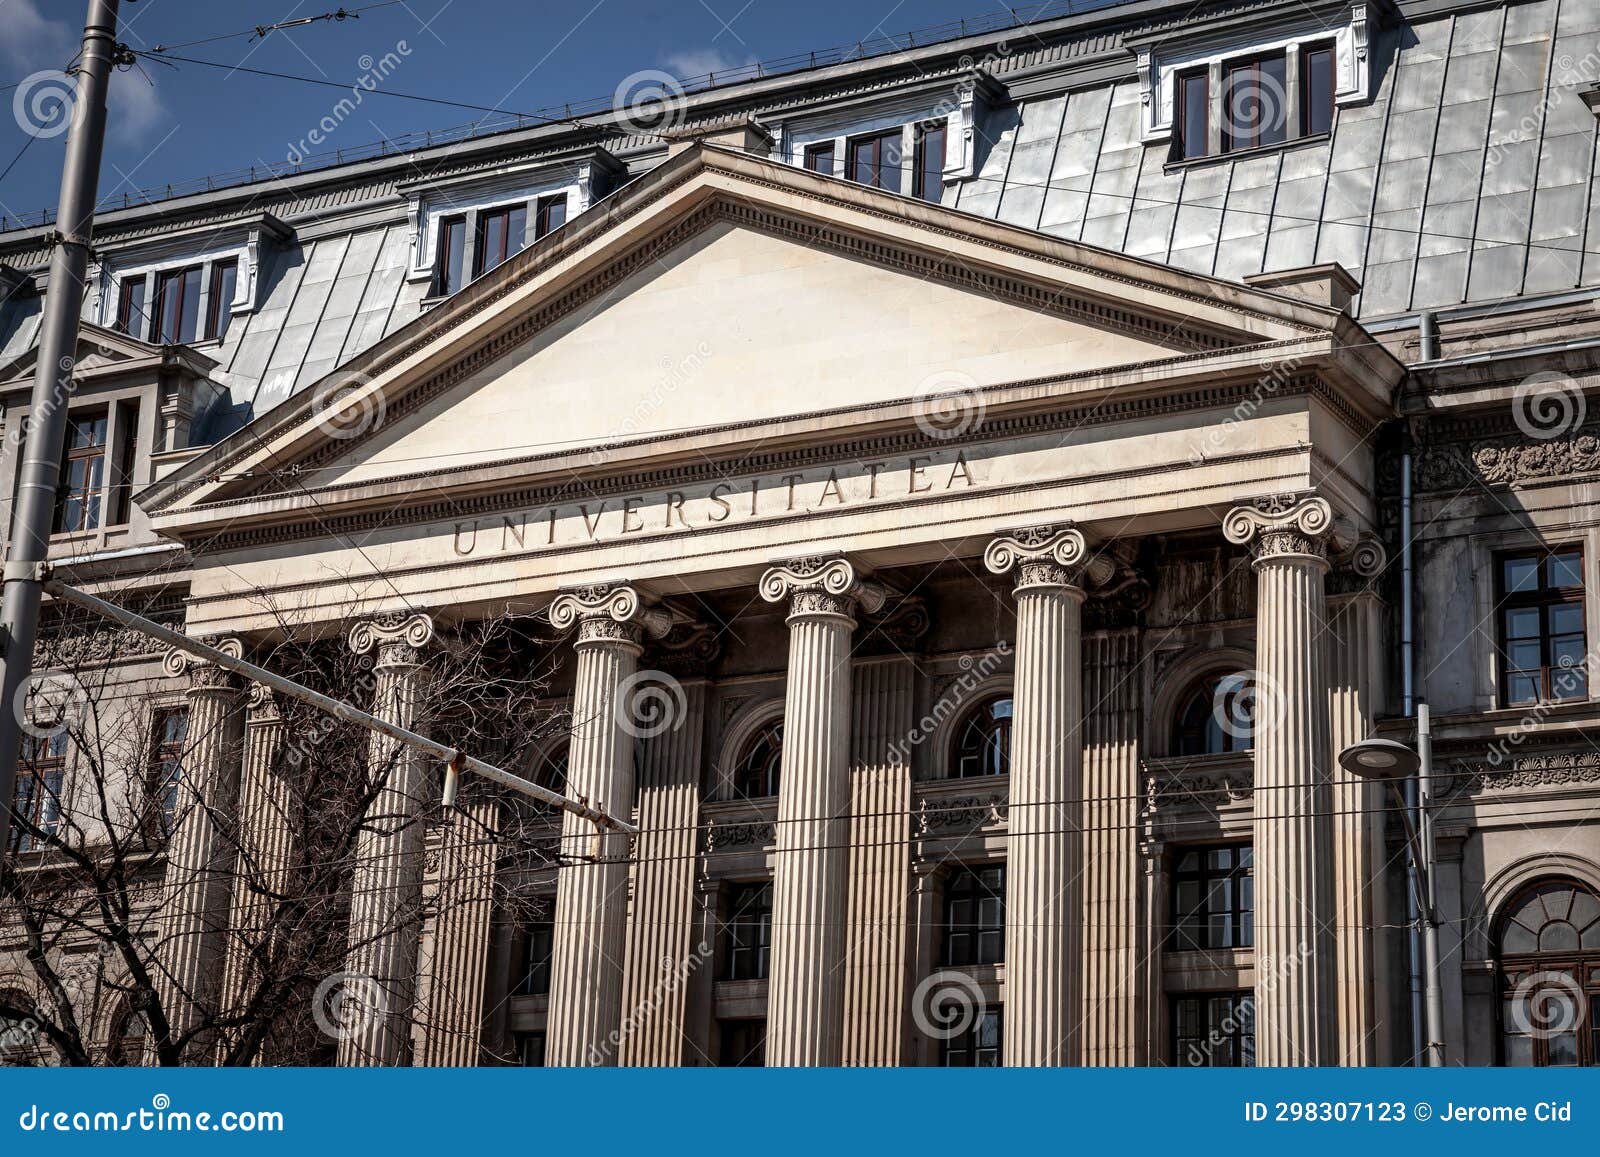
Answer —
(732, 837)
(1508, 461)
(1562, 769)
(967, 813)
(1199, 785)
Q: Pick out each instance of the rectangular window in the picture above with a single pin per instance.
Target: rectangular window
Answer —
(549, 215)
(1316, 90)
(169, 732)
(1214, 1030)
(538, 942)
(37, 800)
(499, 236)
(177, 305)
(1542, 635)
(131, 316)
(743, 1044)
(127, 451)
(1254, 104)
(749, 933)
(975, 916)
(978, 1047)
(452, 250)
(83, 474)
(927, 173)
(819, 158)
(875, 160)
(1213, 898)
(219, 306)
(1192, 115)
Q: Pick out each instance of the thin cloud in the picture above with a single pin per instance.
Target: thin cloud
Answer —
(697, 62)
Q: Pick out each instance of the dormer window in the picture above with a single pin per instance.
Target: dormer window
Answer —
(875, 160)
(927, 170)
(177, 311)
(132, 318)
(549, 215)
(819, 158)
(452, 255)
(219, 308)
(1317, 81)
(1216, 93)
(500, 234)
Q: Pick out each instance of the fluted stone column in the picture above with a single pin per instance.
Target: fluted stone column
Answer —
(665, 948)
(584, 1026)
(265, 844)
(1294, 917)
(453, 965)
(386, 900)
(201, 849)
(805, 1002)
(880, 864)
(1044, 885)
(1116, 938)
(1355, 693)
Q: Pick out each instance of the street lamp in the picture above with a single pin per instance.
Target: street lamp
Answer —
(1393, 763)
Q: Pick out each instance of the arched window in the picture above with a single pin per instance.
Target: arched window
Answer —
(1216, 715)
(550, 768)
(755, 774)
(19, 1033)
(983, 741)
(126, 1040)
(1549, 942)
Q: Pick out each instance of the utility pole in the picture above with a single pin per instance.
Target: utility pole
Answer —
(52, 392)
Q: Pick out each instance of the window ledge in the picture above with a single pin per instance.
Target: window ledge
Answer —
(1247, 154)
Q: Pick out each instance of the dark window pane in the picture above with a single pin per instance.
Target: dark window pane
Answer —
(1212, 899)
(975, 916)
(452, 249)
(928, 170)
(1521, 574)
(819, 158)
(1565, 570)
(875, 160)
(219, 310)
(1316, 91)
(177, 305)
(1192, 115)
(550, 215)
(132, 318)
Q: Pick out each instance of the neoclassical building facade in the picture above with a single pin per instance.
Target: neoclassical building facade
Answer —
(964, 500)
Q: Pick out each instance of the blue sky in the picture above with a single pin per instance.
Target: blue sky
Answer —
(171, 124)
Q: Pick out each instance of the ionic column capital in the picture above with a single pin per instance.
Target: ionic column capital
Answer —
(1288, 527)
(397, 638)
(616, 613)
(265, 705)
(821, 586)
(203, 674)
(1047, 558)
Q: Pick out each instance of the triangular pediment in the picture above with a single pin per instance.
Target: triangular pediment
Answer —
(98, 348)
(724, 300)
